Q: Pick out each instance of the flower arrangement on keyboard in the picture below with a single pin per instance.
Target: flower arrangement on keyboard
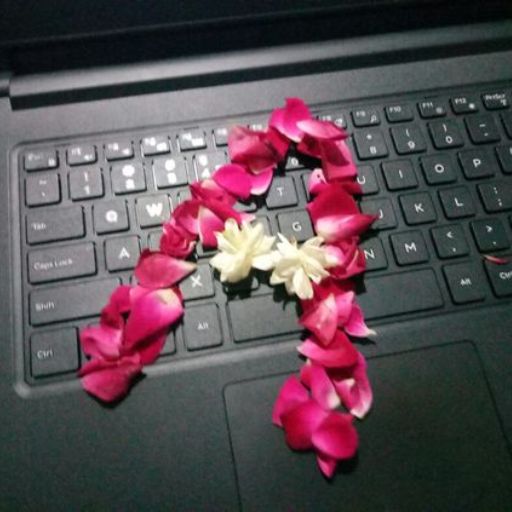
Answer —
(135, 323)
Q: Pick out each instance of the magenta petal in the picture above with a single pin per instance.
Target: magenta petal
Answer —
(322, 389)
(355, 390)
(333, 201)
(291, 394)
(322, 320)
(337, 161)
(175, 240)
(285, 119)
(118, 305)
(156, 270)
(355, 325)
(305, 373)
(322, 129)
(339, 227)
(185, 215)
(261, 182)
(340, 353)
(316, 182)
(326, 464)
(101, 341)
(496, 260)
(235, 179)
(152, 313)
(150, 349)
(209, 224)
(110, 380)
(301, 422)
(336, 436)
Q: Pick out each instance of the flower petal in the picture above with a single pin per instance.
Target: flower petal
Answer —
(291, 395)
(209, 224)
(322, 129)
(185, 215)
(496, 260)
(326, 464)
(336, 436)
(152, 313)
(317, 182)
(176, 241)
(235, 179)
(322, 389)
(356, 326)
(301, 422)
(261, 182)
(339, 227)
(151, 348)
(337, 161)
(285, 119)
(101, 341)
(322, 320)
(157, 270)
(118, 305)
(110, 380)
(340, 353)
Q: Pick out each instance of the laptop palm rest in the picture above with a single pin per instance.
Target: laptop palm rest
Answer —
(432, 442)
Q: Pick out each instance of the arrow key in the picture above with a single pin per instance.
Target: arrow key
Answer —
(490, 235)
(450, 241)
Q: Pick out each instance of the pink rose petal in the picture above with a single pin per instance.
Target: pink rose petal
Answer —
(110, 381)
(340, 353)
(336, 436)
(322, 320)
(321, 129)
(337, 161)
(209, 224)
(185, 215)
(496, 260)
(152, 313)
(156, 270)
(150, 350)
(279, 143)
(317, 182)
(343, 226)
(176, 241)
(101, 341)
(118, 305)
(322, 389)
(291, 394)
(355, 324)
(300, 423)
(326, 464)
(285, 119)
(260, 182)
(235, 179)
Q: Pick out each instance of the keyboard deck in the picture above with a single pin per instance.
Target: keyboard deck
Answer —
(436, 169)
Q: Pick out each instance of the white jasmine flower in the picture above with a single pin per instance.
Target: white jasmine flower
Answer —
(297, 267)
(241, 250)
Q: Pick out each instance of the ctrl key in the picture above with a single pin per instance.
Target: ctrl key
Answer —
(500, 277)
(54, 352)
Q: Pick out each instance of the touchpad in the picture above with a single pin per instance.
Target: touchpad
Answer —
(432, 442)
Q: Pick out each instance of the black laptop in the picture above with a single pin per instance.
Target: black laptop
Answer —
(87, 85)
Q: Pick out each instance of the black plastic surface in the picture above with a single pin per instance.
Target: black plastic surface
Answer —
(168, 446)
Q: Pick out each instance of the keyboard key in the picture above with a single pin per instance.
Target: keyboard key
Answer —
(259, 317)
(199, 284)
(70, 302)
(482, 129)
(495, 100)
(365, 117)
(281, 193)
(220, 136)
(295, 225)
(464, 104)
(293, 163)
(119, 150)
(170, 172)
(450, 241)
(399, 113)
(418, 209)
(374, 254)
(431, 108)
(110, 217)
(42, 190)
(55, 225)
(56, 263)
(496, 197)
(381, 300)
(490, 235)
(465, 282)
(506, 118)
(399, 175)
(438, 169)
(81, 154)
(201, 327)
(155, 145)
(54, 352)
(152, 210)
(408, 139)
(40, 160)
(478, 163)
(501, 278)
(128, 178)
(205, 164)
(122, 253)
(85, 183)
(505, 158)
(445, 134)
(457, 202)
(370, 144)
(191, 139)
(384, 211)
(367, 180)
(409, 248)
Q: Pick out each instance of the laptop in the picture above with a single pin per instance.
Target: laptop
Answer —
(87, 86)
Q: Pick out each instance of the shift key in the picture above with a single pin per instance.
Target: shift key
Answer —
(55, 224)
(71, 302)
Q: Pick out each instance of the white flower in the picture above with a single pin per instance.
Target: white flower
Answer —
(297, 267)
(242, 249)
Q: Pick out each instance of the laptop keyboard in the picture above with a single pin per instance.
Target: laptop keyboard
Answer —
(437, 170)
